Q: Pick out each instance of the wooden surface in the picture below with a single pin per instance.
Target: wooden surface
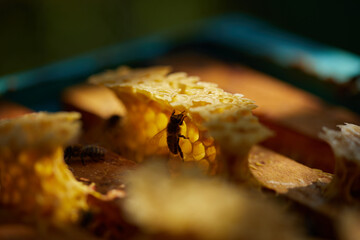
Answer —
(12, 110)
(287, 177)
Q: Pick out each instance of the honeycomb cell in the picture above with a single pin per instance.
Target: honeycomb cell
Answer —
(183, 128)
(161, 121)
(211, 153)
(149, 115)
(186, 146)
(212, 158)
(192, 133)
(210, 150)
(208, 141)
(198, 151)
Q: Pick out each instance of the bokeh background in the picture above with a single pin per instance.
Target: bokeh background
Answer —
(37, 32)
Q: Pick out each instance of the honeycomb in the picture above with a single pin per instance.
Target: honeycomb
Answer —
(215, 120)
(346, 147)
(191, 204)
(33, 176)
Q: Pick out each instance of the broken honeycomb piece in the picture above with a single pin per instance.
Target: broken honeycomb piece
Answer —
(346, 146)
(214, 118)
(191, 204)
(33, 175)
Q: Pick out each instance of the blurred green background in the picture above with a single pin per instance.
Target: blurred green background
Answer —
(36, 32)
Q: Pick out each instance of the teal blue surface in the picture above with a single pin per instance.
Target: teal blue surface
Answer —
(263, 40)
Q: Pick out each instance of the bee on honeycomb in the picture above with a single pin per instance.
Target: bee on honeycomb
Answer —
(216, 121)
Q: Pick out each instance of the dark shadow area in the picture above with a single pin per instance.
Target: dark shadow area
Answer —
(34, 33)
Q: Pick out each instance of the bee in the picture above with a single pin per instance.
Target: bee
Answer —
(173, 133)
(113, 121)
(93, 152)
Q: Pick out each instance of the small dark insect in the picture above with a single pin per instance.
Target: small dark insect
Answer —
(173, 133)
(93, 152)
(112, 121)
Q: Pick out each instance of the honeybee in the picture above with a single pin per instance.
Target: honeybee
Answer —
(173, 133)
(112, 121)
(93, 152)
